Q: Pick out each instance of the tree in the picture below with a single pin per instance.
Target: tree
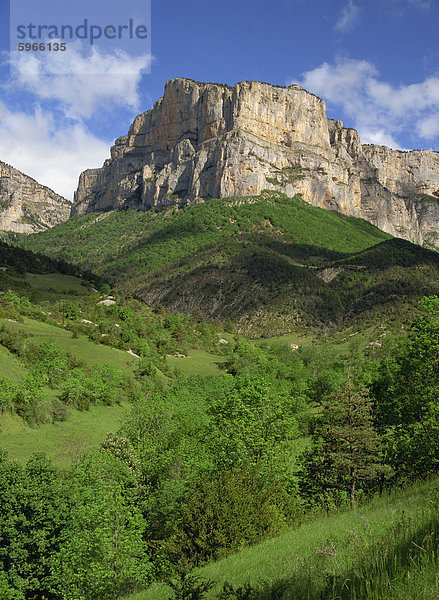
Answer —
(8, 391)
(407, 397)
(243, 355)
(188, 587)
(35, 507)
(102, 554)
(346, 452)
(225, 512)
(250, 422)
(101, 384)
(52, 362)
(71, 310)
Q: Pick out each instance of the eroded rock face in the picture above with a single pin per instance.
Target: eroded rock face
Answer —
(204, 141)
(26, 206)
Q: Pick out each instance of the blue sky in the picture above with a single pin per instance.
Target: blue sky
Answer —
(375, 62)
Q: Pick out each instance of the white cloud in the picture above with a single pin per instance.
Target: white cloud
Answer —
(52, 153)
(348, 17)
(341, 82)
(54, 144)
(428, 128)
(87, 82)
(379, 137)
(400, 8)
(379, 110)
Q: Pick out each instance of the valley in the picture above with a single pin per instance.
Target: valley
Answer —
(219, 367)
(206, 410)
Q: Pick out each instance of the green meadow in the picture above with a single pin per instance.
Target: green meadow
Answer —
(64, 442)
(197, 361)
(377, 552)
(81, 347)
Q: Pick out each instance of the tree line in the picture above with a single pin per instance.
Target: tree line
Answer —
(209, 463)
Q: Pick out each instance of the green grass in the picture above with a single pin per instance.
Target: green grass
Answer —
(82, 348)
(363, 554)
(56, 281)
(420, 582)
(37, 276)
(10, 366)
(197, 361)
(62, 442)
(83, 430)
(297, 337)
(52, 287)
(270, 263)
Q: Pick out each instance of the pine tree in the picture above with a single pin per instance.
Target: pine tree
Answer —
(347, 451)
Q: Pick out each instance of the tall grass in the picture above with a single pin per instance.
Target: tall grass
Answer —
(385, 550)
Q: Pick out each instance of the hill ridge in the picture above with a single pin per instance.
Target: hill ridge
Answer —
(259, 261)
(27, 206)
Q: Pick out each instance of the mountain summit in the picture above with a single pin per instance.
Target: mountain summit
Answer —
(205, 140)
(26, 206)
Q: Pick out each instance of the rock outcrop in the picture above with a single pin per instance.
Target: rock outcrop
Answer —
(205, 140)
(27, 206)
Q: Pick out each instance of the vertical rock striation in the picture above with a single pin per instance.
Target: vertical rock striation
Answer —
(203, 140)
(26, 206)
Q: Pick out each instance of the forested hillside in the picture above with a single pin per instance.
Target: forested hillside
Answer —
(270, 263)
(174, 441)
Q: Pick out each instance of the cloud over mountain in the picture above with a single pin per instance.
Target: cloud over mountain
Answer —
(379, 110)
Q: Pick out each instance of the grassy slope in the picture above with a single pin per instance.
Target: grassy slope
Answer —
(345, 548)
(41, 287)
(146, 241)
(64, 284)
(197, 361)
(82, 430)
(271, 263)
(62, 442)
(81, 347)
(39, 277)
(11, 366)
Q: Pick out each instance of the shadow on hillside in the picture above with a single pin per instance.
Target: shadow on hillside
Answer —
(310, 254)
(394, 252)
(259, 272)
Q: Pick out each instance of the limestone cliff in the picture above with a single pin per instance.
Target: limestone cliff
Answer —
(26, 206)
(203, 140)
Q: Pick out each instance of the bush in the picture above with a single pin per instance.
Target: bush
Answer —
(225, 513)
(58, 412)
(8, 391)
(189, 587)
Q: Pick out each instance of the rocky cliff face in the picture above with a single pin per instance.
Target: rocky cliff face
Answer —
(207, 140)
(26, 206)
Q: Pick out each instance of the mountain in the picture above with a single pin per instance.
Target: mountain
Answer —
(205, 140)
(27, 206)
(268, 262)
